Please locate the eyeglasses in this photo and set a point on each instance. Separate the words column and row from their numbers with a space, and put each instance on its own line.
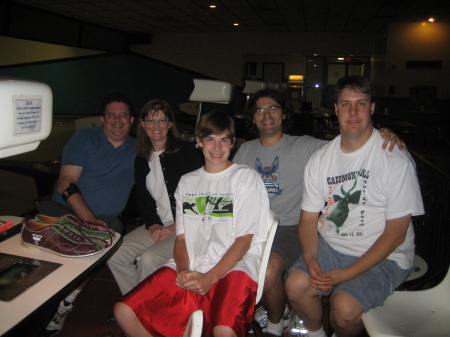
column 152, row 122
column 122, row 115
column 270, row 109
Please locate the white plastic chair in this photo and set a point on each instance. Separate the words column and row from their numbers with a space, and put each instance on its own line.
column 273, row 225
column 423, row 313
column 195, row 325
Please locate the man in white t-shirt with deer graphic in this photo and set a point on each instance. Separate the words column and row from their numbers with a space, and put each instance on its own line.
column 360, row 200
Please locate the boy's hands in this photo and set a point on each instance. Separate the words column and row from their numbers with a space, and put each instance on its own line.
column 201, row 283
column 196, row 282
column 182, row 277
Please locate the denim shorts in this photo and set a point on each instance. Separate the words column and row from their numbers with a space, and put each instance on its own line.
column 370, row 288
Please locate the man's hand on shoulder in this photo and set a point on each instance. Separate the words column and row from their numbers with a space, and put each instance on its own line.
column 391, row 139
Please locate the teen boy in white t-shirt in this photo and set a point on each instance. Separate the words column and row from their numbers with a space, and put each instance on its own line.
column 222, row 223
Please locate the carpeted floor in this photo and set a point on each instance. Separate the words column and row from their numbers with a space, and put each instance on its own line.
column 93, row 307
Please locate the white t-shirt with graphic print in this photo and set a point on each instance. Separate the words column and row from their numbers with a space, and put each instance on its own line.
column 213, row 209
column 360, row 191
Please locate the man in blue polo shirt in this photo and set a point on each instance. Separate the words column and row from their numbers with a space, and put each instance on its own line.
column 96, row 177
column 97, row 168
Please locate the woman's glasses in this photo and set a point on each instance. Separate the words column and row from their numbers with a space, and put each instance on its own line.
column 153, row 122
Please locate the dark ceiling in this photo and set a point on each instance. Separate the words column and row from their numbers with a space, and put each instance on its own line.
column 195, row 16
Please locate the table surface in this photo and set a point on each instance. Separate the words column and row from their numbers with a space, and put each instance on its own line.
column 23, row 305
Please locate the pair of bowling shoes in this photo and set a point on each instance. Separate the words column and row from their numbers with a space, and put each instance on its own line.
column 67, row 236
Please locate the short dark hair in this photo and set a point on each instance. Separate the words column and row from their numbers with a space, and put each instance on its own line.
column 144, row 144
column 119, row 98
column 251, row 109
column 214, row 123
column 353, row 82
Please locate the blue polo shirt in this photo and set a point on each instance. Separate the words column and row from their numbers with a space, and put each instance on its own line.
column 108, row 172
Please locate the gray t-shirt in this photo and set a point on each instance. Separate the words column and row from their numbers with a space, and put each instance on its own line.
column 281, row 166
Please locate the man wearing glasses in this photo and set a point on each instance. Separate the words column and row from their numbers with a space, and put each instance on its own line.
column 96, row 174
column 280, row 160
column 96, row 177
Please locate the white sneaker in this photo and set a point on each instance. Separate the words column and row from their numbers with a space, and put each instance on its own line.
column 57, row 320
column 261, row 318
column 286, row 316
column 296, row 327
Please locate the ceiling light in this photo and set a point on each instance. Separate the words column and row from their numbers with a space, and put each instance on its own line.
column 340, row 59
column 212, row 6
column 235, row 24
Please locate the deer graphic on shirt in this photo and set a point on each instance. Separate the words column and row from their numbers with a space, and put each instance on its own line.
column 340, row 213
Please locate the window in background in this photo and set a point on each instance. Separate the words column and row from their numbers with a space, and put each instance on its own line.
column 338, row 67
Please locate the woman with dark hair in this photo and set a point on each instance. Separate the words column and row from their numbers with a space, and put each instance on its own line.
column 162, row 158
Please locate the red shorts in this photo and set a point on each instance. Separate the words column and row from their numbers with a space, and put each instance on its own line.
column 163, row 308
